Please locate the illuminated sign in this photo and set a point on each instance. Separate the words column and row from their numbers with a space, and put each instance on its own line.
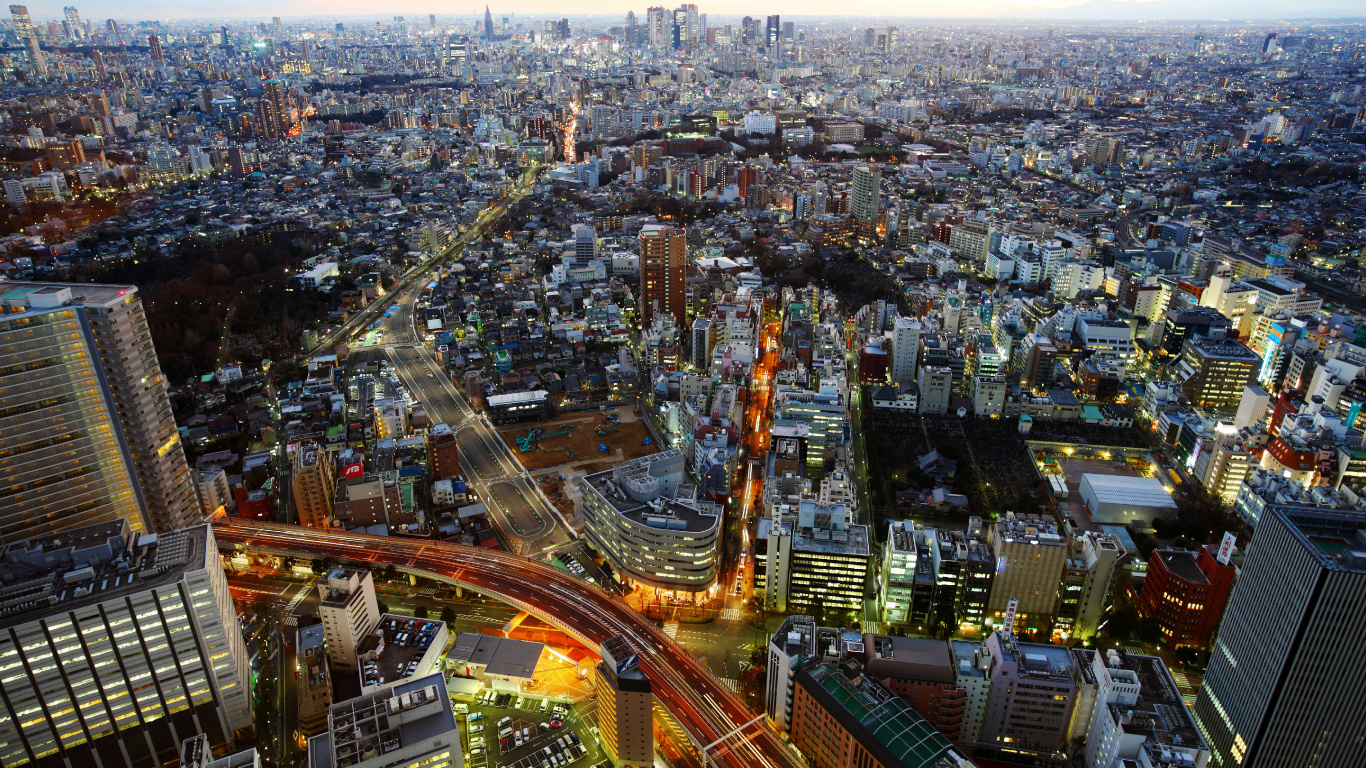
column 1009, row 625
column 1226, row 548
column 353, row 470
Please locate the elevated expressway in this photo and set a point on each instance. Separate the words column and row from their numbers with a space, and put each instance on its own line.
column 706, row 710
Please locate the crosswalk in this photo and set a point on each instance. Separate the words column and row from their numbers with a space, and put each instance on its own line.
column 730, row 684
column 671, row 629
column 730, row 614
column 1183, row 683
column 291, row 620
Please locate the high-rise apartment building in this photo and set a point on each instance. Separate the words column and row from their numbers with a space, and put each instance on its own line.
column 117, row 646
column 314, row 485
column 119, row 342
column 63, row 455
column 73, row 21
column 349, row 610
column 663, row 273
column 1283, row 687
column 625, row 705
column 864, row 196
column 905, row 351
column 158, row 56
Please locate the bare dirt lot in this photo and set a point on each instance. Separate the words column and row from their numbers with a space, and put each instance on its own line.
column 581, row 444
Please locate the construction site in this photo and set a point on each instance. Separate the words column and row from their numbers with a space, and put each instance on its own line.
column 610, row 436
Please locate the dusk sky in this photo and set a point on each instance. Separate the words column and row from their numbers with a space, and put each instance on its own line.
column 1050, row 9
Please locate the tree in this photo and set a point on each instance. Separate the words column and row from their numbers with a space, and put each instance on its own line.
column 421, row 612
column 448, row 615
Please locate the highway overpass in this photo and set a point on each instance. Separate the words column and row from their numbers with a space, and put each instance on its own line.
column 682, row 685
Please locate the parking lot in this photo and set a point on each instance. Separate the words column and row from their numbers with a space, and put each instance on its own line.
column 506, row 730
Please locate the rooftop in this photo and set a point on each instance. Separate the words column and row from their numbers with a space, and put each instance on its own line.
column 1160, row 714
column 500, row 656
column 878, row 719
column 370, row 726
column 394, row 643
column 92, row 564
column 1182, row 564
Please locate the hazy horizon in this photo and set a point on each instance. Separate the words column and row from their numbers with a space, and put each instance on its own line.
column 976, row 10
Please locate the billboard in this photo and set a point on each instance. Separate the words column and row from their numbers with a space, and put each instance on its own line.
column 1226, row 548
column 355, row 469
column 1009, row 625
column 628, row 663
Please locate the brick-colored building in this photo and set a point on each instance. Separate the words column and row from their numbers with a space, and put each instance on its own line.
column 1187, row 593
column 841, row 716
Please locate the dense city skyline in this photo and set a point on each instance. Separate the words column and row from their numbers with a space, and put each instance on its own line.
column 682, row 386
column 810, row 10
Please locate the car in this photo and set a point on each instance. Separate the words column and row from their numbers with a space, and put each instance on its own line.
column 545, row 726
column 526, row 733
column 544, row 705
column 555, row 722
column 562, row 742
column 517, row 737
column 431, row 375
column 583, row 751
column 737, row 589
column 504, row 721
column 574, row 737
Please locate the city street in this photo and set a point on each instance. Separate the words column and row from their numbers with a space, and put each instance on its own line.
column 704, row 706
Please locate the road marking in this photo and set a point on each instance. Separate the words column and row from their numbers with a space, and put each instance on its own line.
column 730, row 614
column 671, row 629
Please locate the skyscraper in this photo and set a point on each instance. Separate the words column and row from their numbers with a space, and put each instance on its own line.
column 35, row 55
column 774, row 31
column 488, row 23
column 23, row 23
column 273, row 107
column 73, row 18
column 158, row 56
column 663, row 273
column 63, row 457
column 134, row 381
column 863, row 200
column 1283, row 686
column 129, row 645
column 658, row 24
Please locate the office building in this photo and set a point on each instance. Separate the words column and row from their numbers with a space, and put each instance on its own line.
column 663, row 273
column 1030, row 555
column 818, row 560
column 936, row 385
column 921, row 672
column 443, row 452
column 62, row 454
column 407, row 725
column 119, row 343
column 349, row 610
column 315, row 682
column 651, row 526
column 703, row 339
column 899, row 571
column 1137, row 715
column 314, row 485
column 1214, row 372
column 625, row 705
column 1033, row 691
column 842, row 716
column 1084, row 592
column 196, row 752
column 864, row 193
column 797, row 641
column 1283, row 687
column 1186, row 592
column 118, row 646
column 773, row 32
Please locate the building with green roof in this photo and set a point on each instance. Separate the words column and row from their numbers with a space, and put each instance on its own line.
column 840, row 716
